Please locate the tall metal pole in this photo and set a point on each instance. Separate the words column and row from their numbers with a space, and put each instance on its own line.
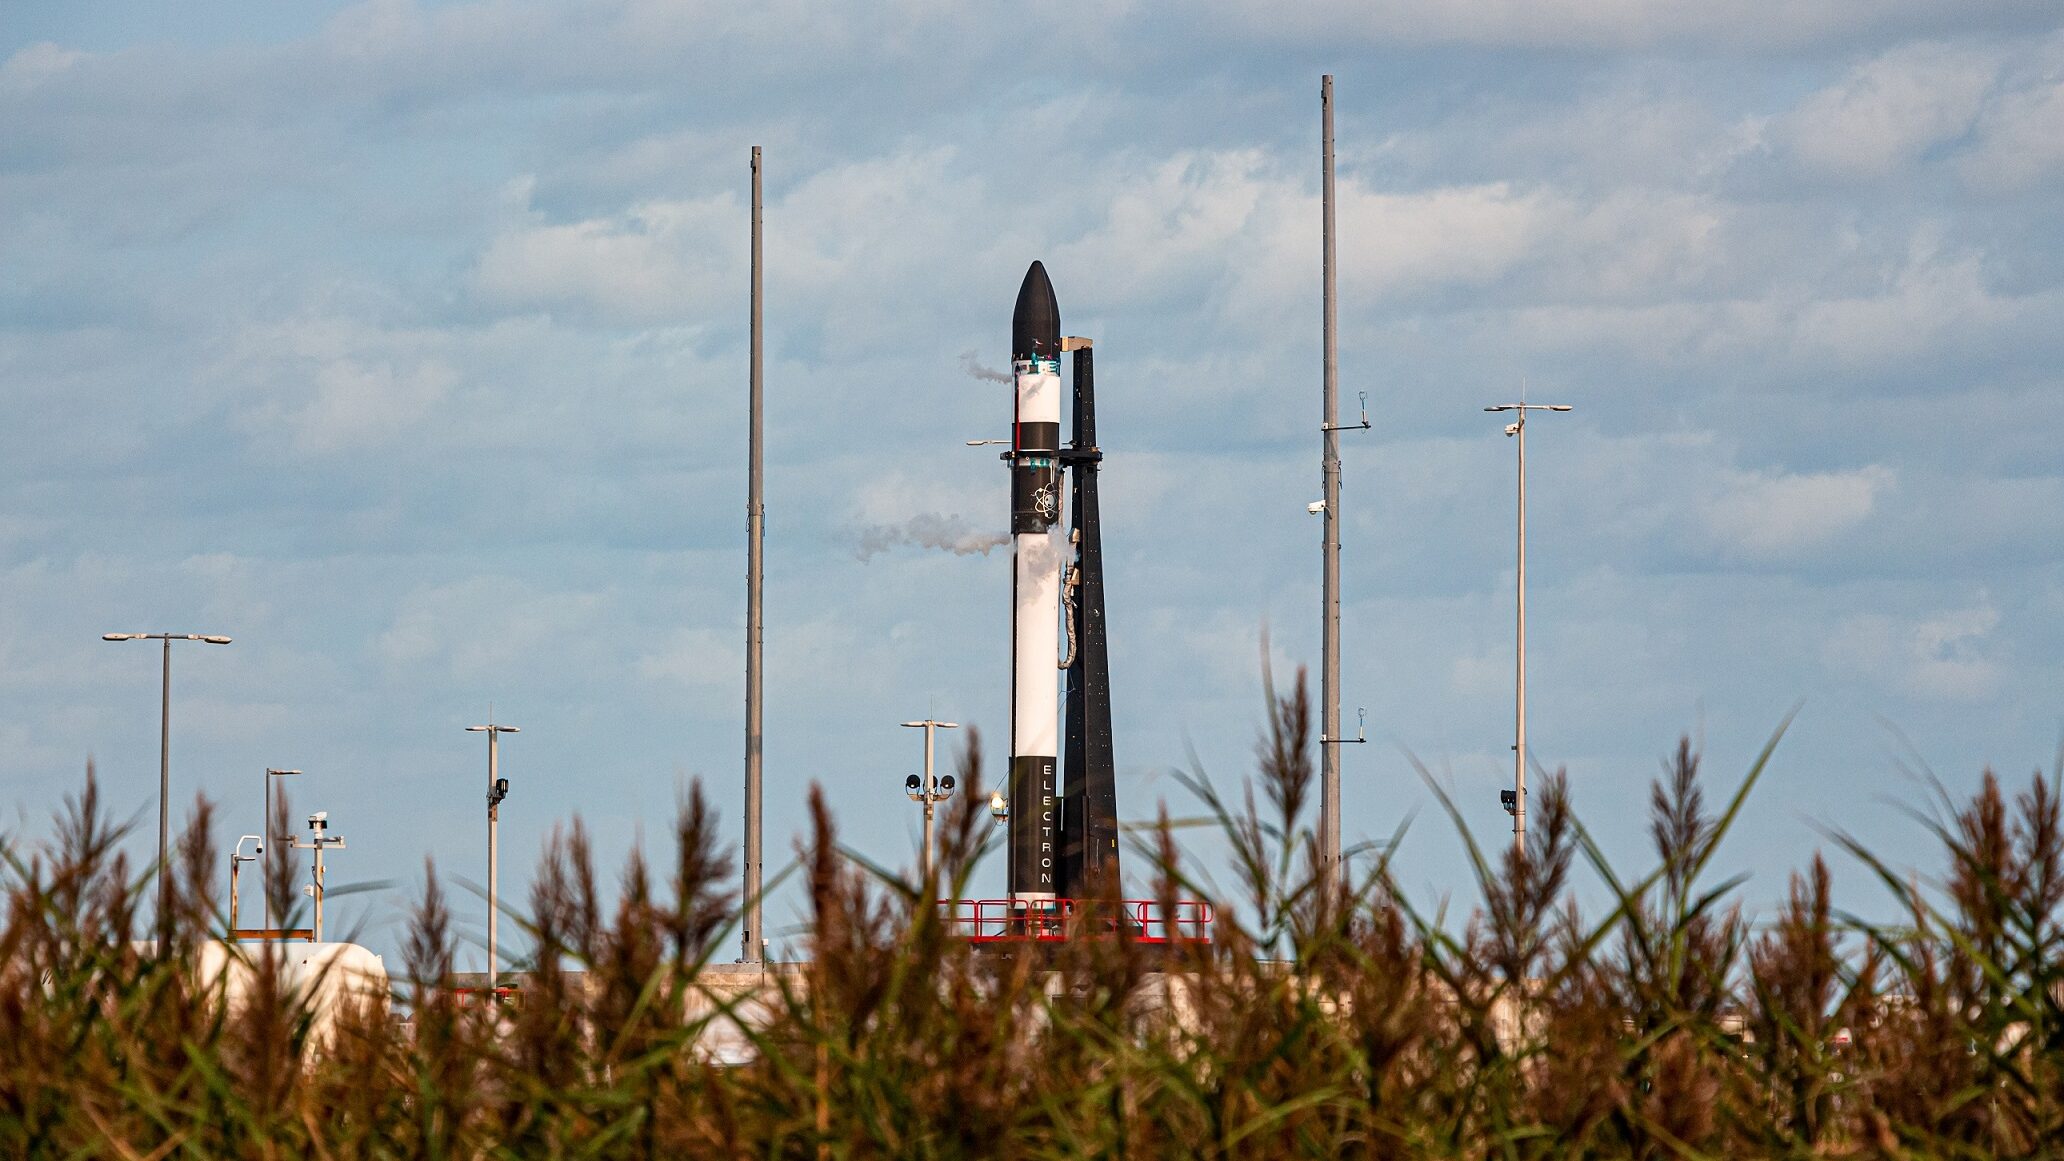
column 164, row 802
column 1519, row 694
column 928, row 791
column 494, row 850
column 1517, row 429
column 755, row 577
column 925, row 864
column 495, row 793
column 318, row 891
column 265, row 849
column 266, row 844
column 165, row 769
column 1329, row 665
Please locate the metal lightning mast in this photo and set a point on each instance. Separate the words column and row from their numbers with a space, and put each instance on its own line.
column 755, row 580
column 1328, row 507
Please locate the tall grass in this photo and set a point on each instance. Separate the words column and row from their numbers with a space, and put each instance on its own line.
column 1664, row 1024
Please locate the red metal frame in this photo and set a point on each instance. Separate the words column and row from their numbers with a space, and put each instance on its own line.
column 1056, row 920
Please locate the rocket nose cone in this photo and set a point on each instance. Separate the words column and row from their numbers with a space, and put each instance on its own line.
column 1036, row 323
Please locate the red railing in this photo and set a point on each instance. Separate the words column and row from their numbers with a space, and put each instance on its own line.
column 1055, row 920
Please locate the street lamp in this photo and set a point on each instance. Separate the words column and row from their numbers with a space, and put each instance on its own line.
column 266, row 827
column 929, row 790
column 497, row 789
column 164, row 767
column 1515, row 799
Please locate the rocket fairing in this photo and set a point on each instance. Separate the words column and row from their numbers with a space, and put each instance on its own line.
column 1036, row 562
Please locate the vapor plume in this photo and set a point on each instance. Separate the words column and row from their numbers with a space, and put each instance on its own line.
column 976, row 370
column 931, row 530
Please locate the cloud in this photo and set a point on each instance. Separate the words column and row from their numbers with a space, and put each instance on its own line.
column 1888, row 111
column 1618, row 24
column 331, row 385
column 35, row 64
column 697, row 658
column 1774, row 514
column 494, row 628
column 654, row 261
column 2020, row 137
column 1942, row 656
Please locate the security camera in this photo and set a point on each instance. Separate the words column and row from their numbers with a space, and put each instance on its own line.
column 1315, row 507
column 1511, row 429
column 946, row 783
column 912, row 783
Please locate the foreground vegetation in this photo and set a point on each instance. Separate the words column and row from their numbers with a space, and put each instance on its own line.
column 1316, row 1024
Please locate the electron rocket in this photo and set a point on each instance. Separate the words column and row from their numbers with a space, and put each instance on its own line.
column 1063, row 837
column 1036, row 560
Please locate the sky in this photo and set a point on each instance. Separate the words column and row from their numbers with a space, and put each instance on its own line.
column 406, row 343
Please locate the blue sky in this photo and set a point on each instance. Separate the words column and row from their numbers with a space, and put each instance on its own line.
column 405, row 343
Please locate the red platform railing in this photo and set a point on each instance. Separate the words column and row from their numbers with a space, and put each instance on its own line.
column 1057, row 920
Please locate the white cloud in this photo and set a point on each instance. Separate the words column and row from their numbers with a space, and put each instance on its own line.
column 2020, row 138
column 331, row 385
column 494, row 629
column 699, row 659
column 1927, row 303
column 657, row 260
column 1943, row 656
column 1616, row 23
column 35, row 64
column 1888, row 111
column 1230, row 231
column 1772, row 513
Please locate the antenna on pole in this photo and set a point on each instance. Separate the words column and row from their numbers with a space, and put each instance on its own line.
column 755, row 576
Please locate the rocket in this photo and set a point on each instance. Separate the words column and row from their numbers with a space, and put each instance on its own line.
column 1036, row 561
column 1063, row 838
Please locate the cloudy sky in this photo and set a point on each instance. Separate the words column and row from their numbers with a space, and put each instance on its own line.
column 406, row 343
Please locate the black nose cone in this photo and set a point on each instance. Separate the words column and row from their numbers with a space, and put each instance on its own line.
column 1036, row 323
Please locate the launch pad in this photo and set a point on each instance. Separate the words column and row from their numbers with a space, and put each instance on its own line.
column 1008, row 921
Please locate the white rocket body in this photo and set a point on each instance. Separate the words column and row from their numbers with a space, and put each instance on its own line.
column 1037, row 558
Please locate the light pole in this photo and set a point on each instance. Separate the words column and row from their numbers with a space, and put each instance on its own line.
column 497, row 789
column 1516, row 797
column 930, row 790
column 164, row 767
column 266, row 828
